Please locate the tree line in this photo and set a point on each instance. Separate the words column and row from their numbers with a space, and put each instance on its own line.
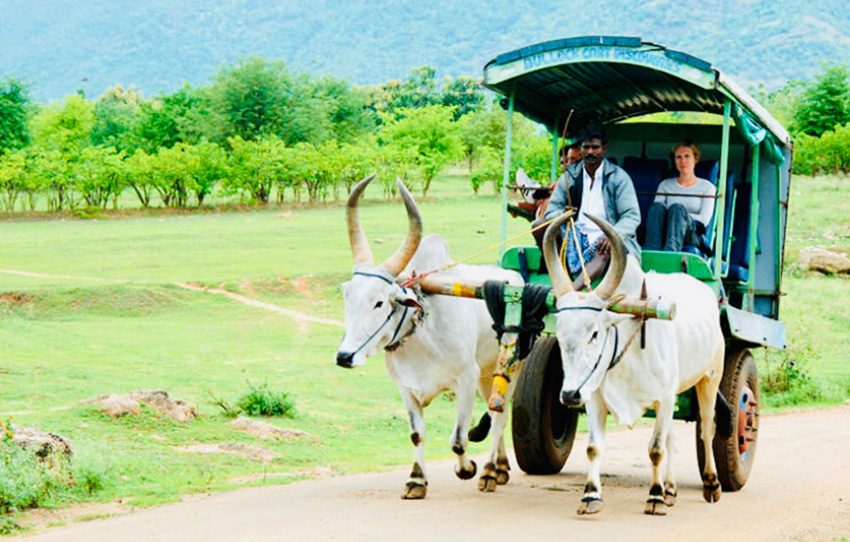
column 266, row 134
column 817, row 114
column 258, row 131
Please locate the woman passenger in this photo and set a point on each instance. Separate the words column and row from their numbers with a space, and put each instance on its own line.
column 682, row 207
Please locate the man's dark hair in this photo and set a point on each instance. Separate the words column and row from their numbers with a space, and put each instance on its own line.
column 591, row 131
column 567, row 148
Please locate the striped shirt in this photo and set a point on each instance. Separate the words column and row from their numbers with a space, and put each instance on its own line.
column 700, row 208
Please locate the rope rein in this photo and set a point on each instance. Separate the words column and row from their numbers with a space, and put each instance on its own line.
column 395, row 341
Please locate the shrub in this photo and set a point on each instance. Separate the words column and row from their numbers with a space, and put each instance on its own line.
column 24, row 481
column 261, row 401
column 90, row 479
column 789, row 382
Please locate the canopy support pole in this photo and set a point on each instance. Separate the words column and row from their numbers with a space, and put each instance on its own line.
column 720, row 203
column 506, row 175
column 553, row 174
column 754, row 224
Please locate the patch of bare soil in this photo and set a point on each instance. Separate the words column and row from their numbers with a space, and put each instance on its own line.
column 316, row 473
column 248, row 451
column 265, row 431
column 248, row 288
column 40, row 518
column 16, row 298
column 303, row 285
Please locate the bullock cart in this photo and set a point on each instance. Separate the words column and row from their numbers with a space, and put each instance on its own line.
column 649, row 98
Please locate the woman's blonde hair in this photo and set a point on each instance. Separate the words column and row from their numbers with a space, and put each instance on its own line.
column 690, row 145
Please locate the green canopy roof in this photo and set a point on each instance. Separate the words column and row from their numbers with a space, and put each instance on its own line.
column 607, row 79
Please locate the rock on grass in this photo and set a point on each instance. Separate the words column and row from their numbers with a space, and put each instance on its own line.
column 825, row 261
column 265, row 431
column 117, row 406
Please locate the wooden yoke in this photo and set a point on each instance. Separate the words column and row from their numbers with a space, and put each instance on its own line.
column 508, row 365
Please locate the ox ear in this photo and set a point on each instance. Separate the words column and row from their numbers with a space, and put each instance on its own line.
column 407, row 299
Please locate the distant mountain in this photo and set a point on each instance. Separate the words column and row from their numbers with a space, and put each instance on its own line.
column 59, row 46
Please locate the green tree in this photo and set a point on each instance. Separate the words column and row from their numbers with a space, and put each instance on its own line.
column 143, row 176
column 115, row 116
column 14, row 113
column 182, row 116
column 254, row 167
column 207, row 165
column 485, row 129
column 342, row 109
column 172, row 178
column 429, row 132
column 824, row 104
column 418, row 90
column 48, row 174
column 462, row 93
column 98, row 175
column 357, row 161
column 12, row 178
column 65, row 126
column 783, row 102
column 255, row 99
column 394, row 160
column 252, row 97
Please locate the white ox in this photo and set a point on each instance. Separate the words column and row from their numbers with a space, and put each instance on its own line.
column 432, row 342
column 607, row 372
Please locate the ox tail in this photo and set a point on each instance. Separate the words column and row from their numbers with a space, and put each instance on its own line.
column 723, row 417
column 479, row 432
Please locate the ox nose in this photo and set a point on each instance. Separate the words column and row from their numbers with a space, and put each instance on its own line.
column 345, row 359
column 571, row 398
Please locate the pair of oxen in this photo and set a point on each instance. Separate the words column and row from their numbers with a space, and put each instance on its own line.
column 435, row 343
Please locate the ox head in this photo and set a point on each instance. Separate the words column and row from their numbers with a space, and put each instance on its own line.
column 377, row 309
column 584, row 322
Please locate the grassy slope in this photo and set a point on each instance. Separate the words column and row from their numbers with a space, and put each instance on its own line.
column 113, row 322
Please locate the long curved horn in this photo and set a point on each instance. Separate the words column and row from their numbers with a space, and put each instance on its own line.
column 356, row 236
column 561, row 283
column 617, row 267
column 396, row 263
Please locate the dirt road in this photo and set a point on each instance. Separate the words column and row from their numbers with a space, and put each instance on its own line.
column 799, row 490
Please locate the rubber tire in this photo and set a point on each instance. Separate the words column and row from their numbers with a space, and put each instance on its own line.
column 543, row 429
column 732, row 471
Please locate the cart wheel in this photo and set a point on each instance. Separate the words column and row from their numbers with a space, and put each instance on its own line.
column 543, row 429
column 734, row 456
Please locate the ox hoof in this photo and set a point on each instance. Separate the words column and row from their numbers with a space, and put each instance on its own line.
column 670, row 494
column 414, row 490
column 502, row 476
column 710, row 488
column 655, row 506
column 711, row 492
column 487, row 483
column 590, row 506
column 464, row 474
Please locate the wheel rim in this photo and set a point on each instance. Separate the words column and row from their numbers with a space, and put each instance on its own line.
column 747, row 421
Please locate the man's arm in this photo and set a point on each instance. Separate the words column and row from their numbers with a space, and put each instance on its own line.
column 627, row 207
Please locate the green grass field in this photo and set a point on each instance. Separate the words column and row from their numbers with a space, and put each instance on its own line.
column 91, row 307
